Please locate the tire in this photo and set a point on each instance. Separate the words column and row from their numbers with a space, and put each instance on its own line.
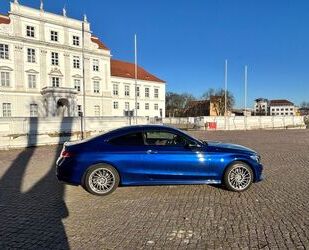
column 101, row 179
column 238, row 177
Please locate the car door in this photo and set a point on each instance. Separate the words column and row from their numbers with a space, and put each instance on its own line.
column 125, row 152
column 173, row 158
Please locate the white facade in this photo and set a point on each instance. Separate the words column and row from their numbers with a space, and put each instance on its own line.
column 41, row 69
column 150, row 97
column 282, row 110
column 261, row 107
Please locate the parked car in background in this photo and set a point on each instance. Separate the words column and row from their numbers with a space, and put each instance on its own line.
column 155, row 155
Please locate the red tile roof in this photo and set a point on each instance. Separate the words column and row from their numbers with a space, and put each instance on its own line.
column 282, row 102
column 127, row 70
column 98, row 42
column 4, row 19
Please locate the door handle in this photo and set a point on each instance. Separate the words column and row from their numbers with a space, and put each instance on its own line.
column 151, row 151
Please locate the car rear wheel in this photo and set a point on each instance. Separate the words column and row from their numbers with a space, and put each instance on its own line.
column 238, row 177
column 101, row 179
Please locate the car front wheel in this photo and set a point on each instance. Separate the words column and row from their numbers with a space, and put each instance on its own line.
column 101, row 179
column 238, row 177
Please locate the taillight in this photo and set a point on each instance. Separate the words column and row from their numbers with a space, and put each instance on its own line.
column 66, row 154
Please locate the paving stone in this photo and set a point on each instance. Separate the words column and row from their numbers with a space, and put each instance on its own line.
column 37, row 212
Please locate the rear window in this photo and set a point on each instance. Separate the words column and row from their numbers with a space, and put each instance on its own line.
column 133, row 139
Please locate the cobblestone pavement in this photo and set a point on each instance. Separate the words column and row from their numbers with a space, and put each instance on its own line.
column 38, row 212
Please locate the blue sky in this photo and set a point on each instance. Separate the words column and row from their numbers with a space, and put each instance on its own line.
column 186, row 42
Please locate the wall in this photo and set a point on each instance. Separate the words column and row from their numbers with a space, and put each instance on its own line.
column 22, row 132
column 238, row 122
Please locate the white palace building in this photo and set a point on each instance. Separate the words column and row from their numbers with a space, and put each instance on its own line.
column 41, row 69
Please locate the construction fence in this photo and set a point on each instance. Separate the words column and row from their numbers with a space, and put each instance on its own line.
column 236, row 122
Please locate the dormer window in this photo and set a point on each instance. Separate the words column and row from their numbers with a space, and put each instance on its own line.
column 76, row 40
column 30, row 31
column 54, row 36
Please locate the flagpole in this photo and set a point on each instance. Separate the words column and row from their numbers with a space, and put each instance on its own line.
column 135, row 68
column 225, row 91
column 246, row 82
column 84, row 83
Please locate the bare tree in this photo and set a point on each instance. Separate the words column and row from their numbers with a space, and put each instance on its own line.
column 304, row 104
column 217, row 97
column 175, row 102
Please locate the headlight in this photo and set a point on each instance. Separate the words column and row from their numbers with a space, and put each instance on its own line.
column 257, row 158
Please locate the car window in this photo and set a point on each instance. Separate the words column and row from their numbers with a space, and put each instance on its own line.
column 132, row 139
column 162, row 138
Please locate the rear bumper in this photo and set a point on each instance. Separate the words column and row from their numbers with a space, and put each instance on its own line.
column 65, row 172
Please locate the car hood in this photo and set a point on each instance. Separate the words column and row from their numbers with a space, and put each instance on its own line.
column 229, row 147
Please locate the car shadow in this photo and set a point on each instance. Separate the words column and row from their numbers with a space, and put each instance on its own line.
column 33, row 219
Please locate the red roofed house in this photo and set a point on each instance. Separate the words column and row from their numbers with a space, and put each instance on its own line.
column 41, row 70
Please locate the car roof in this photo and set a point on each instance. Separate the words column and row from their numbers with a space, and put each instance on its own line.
column 142, row 127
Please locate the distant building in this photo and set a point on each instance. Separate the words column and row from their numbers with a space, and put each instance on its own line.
column 281, row 107
column 203, row 107
column 303, row 111
column 197, row 108
column 261, row 107
column 241, row 112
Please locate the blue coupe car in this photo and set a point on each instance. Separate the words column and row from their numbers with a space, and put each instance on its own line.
column 155, row 155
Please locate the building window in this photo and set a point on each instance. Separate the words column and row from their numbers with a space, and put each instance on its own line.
column 76, row 40
column 116, row 105
column 95, row 65
column 55, row 82
column 6, row 108
column 156, row 93
column 126, row 90
column 4, row 51
column 126, row 105
column 96, row 86
column 115, row 89
column 137, row 105
column 291, row 113
column 33, row 110
column 76, row 62
column 31, row 55
column 77, row 84
column 54, row 36
column 291, row 109
column 55, row 58
column 137, row 91
column 277, row 109
column 147, row 106
column 79, row 109
column 30, row 31
column 31, row 81
column 156, row 106
column 5, row 79
column 146, row 92
column 97, row 110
